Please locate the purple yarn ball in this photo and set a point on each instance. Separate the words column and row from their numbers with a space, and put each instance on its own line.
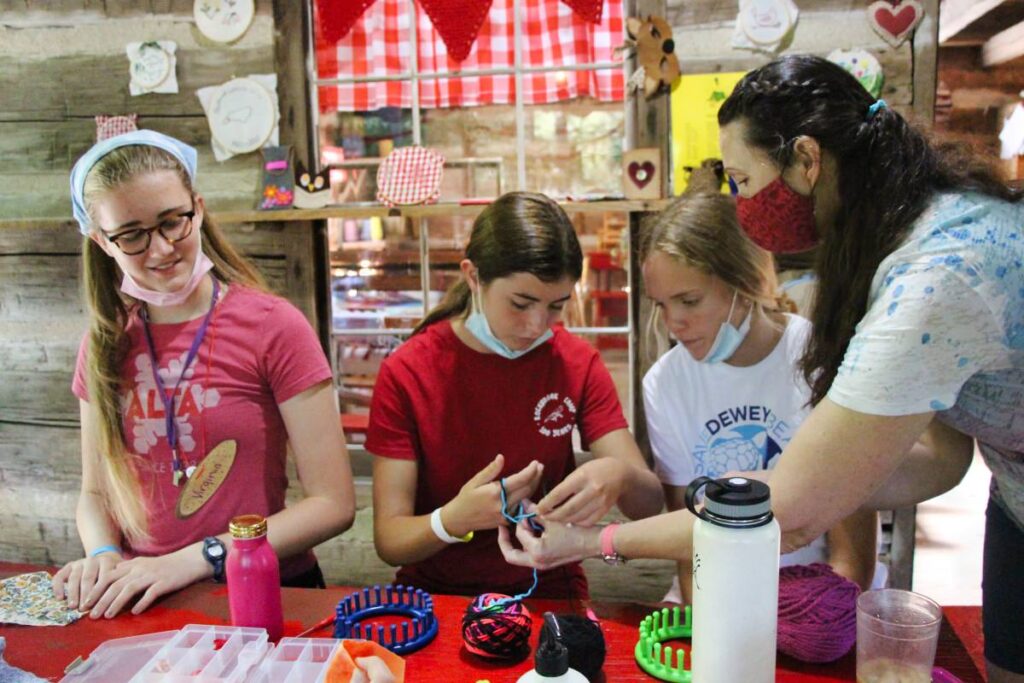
column 817, row 613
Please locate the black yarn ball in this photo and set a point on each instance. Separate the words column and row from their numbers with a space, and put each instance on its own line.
column 584, row 640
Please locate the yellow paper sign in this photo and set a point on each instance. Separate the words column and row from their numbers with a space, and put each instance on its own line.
column 695, row 102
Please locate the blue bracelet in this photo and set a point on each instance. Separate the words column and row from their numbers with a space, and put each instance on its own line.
column 105, row 549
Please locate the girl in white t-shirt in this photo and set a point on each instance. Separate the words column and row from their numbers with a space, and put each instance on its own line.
column 729, row 395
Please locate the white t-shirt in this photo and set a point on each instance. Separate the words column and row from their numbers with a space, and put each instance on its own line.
column 706, row 419
column 944, row 332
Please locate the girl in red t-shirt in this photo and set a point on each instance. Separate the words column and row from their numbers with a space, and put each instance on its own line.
column 487, row 392
column 193, row 380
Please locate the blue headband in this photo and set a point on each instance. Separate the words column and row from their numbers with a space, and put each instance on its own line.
column 185, row 155
column 873, row 109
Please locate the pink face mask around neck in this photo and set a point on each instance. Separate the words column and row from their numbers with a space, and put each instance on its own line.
column 200, row 268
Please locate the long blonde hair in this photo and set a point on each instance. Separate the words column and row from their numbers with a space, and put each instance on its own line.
column 109, row 311
column 701, row 231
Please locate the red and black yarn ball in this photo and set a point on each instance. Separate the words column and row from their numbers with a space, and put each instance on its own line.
column 501, row 632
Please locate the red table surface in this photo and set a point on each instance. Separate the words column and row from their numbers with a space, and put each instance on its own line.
column 47, row 650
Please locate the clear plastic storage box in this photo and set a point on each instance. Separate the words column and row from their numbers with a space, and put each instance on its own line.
column 206, row 654
column 297, row 660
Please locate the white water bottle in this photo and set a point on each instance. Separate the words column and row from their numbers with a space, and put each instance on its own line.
column 735, row 581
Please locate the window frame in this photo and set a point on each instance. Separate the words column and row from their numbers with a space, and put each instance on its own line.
column 414, row 75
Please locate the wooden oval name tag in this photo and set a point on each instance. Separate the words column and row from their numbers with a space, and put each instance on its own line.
column 207, row 478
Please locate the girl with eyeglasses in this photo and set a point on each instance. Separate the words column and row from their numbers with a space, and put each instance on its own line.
column 193, row 382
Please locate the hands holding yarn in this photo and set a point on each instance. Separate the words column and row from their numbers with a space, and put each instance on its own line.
column 559, row 544
column 478, row 505
column 587, row 494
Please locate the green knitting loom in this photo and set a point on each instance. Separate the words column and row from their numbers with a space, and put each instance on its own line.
column 655, row 629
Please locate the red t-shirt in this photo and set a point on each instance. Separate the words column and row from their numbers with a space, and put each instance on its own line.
column 258, row 352
column 452, row 409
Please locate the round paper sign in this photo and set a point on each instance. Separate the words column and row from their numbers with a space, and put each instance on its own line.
column 223, row 21
column 765, row 22
column 242, row 115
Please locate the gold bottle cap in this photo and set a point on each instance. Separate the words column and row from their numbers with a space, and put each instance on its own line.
column 248, row 526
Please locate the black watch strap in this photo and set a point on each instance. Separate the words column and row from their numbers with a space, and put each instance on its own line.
column 215, row 553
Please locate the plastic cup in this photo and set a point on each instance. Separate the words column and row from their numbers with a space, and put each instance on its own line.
column 897, row 633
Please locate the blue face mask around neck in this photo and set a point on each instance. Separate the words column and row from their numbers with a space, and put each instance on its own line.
column 729, row 337
column 478, row 326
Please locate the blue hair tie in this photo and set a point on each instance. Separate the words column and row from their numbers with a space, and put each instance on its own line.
column 873, row 109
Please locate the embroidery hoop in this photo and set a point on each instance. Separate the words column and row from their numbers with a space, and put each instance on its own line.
column 152, row 66
column 242, row 115
column 657, row 628
column 863, row 65
column 404, row 601
column 215, row 21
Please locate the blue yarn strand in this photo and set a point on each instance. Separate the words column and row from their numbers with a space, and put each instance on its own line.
column 519, row 516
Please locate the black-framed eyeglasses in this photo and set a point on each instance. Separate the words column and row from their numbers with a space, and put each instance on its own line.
column 173, row 229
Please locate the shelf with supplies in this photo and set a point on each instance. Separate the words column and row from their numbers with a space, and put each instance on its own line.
column 371, row 210
column 368, row 210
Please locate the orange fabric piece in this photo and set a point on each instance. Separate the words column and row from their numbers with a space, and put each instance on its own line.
column 344, row 664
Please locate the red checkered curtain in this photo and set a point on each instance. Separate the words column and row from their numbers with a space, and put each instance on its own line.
column 378, row 45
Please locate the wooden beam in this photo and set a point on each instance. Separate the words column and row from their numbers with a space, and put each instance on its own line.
column 1004, row 46
column 956, row 15
column 925, row 63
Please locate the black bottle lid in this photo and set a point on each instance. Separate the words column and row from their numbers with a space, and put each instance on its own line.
column 731, row 501
column 552, row 658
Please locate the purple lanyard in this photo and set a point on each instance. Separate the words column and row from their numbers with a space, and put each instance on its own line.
column 168, row 398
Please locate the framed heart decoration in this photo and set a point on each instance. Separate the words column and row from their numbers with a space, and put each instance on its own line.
column 641, row 171
column 895, row 20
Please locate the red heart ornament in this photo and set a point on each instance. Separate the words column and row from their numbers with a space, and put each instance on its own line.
column 895, row 21
column 641, row 173
column 458, row 22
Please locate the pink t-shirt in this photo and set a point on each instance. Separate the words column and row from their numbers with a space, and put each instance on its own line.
column 258, row 352
column 452, row 409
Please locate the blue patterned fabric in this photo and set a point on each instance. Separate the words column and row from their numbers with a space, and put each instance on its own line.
column 944, row 332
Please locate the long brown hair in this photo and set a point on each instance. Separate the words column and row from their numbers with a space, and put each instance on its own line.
column 109, row 311
column 519, row 232
column 888, row 171
column 700, row 230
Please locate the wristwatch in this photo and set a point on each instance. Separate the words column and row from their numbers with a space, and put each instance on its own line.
column 608, row 553
column 215, row 552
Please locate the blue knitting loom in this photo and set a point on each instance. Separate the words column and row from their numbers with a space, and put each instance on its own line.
column 404, row 601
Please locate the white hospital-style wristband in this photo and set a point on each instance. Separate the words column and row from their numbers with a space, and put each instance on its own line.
column 438, row 528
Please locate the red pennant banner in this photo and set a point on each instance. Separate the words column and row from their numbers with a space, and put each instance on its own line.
column 589, row 10
column 335, row 18
column 458, row 22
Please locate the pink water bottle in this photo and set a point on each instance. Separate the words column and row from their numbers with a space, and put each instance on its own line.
column 254, row 578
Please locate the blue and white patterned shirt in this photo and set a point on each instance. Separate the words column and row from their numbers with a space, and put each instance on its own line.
column 944, row 332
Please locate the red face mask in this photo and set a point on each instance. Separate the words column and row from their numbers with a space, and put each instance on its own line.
column 778, row 219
